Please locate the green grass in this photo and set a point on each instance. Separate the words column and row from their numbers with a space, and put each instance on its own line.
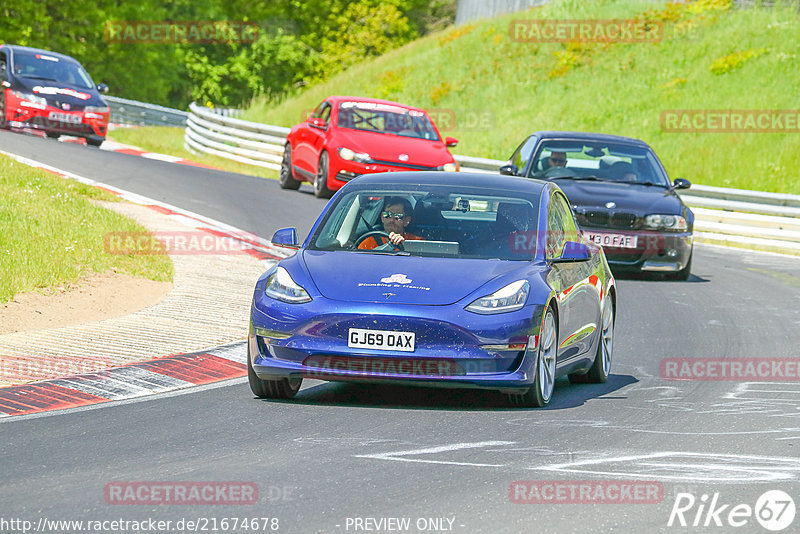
column 167, row 140
column 51, row 233
column 501, row 91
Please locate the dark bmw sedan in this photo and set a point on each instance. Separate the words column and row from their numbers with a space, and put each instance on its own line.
column 621, row 195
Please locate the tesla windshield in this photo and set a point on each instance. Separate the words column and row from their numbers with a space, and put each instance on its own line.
column 445, row 223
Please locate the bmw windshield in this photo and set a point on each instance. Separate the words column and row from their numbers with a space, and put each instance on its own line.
column 608, row 162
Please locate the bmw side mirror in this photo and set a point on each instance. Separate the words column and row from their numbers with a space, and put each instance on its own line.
column 286, row 238
column 450, row 141
column 681, row 183
column 509, row 170
column 573, row 251
column 102, row 88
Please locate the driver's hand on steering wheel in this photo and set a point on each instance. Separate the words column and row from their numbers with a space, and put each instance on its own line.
column 396, row 238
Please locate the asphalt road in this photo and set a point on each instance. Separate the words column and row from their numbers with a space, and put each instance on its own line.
column 443, row 459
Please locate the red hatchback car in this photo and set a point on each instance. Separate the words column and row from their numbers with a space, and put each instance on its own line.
column 347, row 136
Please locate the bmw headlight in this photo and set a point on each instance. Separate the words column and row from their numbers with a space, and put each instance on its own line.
column 672, row 223
column 510, row 298
column 280, row 286
column 351, row 155
column 30, row 97
column 450, row 167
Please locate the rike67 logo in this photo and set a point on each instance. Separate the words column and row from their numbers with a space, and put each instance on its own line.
column 774, row 510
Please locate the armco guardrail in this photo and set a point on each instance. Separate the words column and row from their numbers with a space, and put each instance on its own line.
column 244, row 141
column 133, row 113
column 754, row 219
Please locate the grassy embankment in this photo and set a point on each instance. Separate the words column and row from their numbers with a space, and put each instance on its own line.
column 51, row 233
column 499, row 90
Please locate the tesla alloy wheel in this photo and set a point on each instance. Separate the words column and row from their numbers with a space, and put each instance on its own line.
column 541, row 391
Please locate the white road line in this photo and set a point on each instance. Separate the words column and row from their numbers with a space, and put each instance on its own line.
column 695, row 467
column 398, row 456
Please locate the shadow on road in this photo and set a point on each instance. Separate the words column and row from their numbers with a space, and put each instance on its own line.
column 342, row 394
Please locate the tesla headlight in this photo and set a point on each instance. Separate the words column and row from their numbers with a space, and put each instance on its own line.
column 280, row 286
column 450, row 167
column 30, row 97
column 672, row 223
column 351, row 155
column 510, row 298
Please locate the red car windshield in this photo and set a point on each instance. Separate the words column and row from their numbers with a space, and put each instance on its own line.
column 50, row 68
column 386, row 119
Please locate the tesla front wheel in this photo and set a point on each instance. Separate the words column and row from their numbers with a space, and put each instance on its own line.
column 282, row 388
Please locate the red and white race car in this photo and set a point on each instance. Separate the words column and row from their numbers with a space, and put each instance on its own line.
column 52, row 93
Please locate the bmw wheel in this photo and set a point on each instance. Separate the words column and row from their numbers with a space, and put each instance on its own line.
column 321, row 179
column 541, row 391
column 286, row 177
column 683, row 274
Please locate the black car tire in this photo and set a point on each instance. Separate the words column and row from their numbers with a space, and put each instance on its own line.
column 283, row 388
column 601, row 367
column 321, row 179
column 286, row 176
column 53, row 135
column 684, row 273
column 93, row 141
column 541, row 391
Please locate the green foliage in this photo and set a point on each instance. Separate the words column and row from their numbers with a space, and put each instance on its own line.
column 300, row 42
column 495, row 90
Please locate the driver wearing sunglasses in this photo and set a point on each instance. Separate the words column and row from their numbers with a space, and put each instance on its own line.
column 395, row 216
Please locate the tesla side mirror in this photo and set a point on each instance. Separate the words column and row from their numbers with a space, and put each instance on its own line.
column 316, row 122
column 509, row 170
column 286, row 238
column 681, row 183
column 450, row 141
column 573, row 251
column 102, row 88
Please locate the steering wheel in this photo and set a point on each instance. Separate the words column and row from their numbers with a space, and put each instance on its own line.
column 376, row 233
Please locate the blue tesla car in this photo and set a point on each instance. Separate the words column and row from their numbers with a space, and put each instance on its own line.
column 436, row 279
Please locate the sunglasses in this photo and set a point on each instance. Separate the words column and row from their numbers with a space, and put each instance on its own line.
column 558, row 160
column 389, row 215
